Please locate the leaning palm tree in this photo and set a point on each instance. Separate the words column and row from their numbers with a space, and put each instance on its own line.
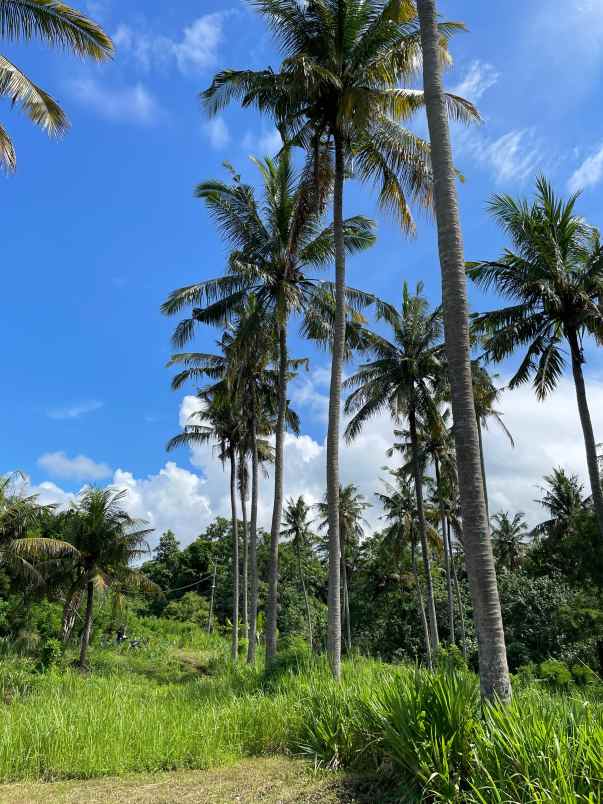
column 554, row 277
column 405, row 379
column 296, row 527
column 352, row 523
column 494, row 671
column 340, row 90
column 275, row 244
column 107, row 540
column 60, row 26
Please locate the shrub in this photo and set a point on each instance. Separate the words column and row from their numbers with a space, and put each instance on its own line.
column 555, row 673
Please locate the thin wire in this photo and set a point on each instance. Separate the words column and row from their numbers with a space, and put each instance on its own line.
column 188, row 586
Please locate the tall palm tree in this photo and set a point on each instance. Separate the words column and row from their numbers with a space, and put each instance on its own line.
column 60, row 26
column 340, row 90
column 275, row 247
column 405, row 378
column 296, row 527
column 554, row 277
column 563, row 499
column 494, row 671
column 352, row 523
column 107, row 540
column 507, row 537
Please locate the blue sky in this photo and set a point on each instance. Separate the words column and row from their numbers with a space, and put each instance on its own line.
column 99, row 227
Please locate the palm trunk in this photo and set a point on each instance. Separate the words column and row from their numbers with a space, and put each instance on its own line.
column 459, row 597
column 70, row 610
column 346, row 603
column 482, row 464
column 234, row 651
column 210, row 619
column 245, row 595
column 277, row 511
column 334, row 593
column 87, row 625
column 418, row 476
column 306, row 601
column 421, row 606
column 494, row 671
column 587, row 428
column 253, row 538
column 443, row 519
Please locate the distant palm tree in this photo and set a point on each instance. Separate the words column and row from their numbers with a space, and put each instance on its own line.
column 507, row 536
column 342, row 89
column 296, row 527
column 554, row 276
column 563, row 499
column 352, row 523
column 106, row 540
column 405, row 378
column 275, row 244
column 56, row 24
column 479, row 560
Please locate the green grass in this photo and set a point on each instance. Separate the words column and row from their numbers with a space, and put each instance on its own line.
column 179, row 704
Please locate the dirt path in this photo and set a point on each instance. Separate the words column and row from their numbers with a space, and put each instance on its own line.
column 269, row 781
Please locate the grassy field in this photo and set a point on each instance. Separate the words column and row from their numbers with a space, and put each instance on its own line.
column 179, row 705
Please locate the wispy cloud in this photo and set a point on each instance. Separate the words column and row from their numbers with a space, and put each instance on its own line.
column 513, row 157
column 479, row 78
column 267, row 143
column 129, row 104
column 195, row 51
column 76, row 410
column 217, row 133
column 80, row 467
column 589, row 173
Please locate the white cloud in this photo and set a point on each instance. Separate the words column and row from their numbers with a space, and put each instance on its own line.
column 75, row 411
column 217, row 133
column 588, row 174
column 267, row 143
column 513, row 157
column 478, row 79
column 195, row 51
column 58, row 464
column 130, row 104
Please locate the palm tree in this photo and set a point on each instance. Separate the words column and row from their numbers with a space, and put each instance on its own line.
column 296, row 527
column 60, row 26
column 563, row 499
column 352, row 505
column 275, row 246
column 399, row 503
column 340, row 90
column 405, row 378
column 107, row 539
column 507, row 538
column 554, row 276
column 494, row 671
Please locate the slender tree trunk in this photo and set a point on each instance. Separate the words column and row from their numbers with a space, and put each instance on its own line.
column 346, row 602
column 87, row 625
column 253, row 538
column 334, row 593
column 245, row 596
column 482, row 464
column 70, row 610
column 418, row 476
column 421, row 606
column 587, row 428
column 494, row 672
column 459, row 597
column 447, row 558
column 234, row 650
column 277, row 511
column 306, row 601
column 210, row 619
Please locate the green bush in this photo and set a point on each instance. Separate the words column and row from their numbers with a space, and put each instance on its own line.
column 555, row 673
column 51, row 653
